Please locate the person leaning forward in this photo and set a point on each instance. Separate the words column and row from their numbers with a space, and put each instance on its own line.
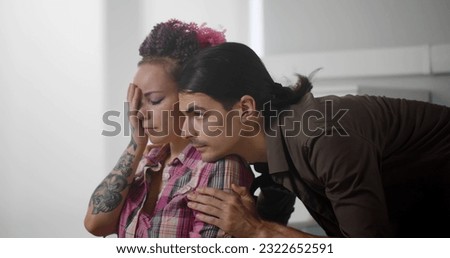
column 364, row 166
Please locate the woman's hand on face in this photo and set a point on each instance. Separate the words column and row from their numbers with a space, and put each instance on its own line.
column 234, row 212
column 134, row 99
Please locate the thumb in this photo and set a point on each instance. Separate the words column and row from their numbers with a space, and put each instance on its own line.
column 240, row 190
column 246, row 198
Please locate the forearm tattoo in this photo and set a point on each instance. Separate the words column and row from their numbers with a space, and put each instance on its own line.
column 124, row 165
column 106, row 196
column 133, row 144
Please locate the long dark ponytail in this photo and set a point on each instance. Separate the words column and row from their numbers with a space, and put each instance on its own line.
column 229, row 71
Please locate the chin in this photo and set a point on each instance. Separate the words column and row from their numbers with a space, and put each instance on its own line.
column 206, row 158
column 211, row 157
column 158, row 139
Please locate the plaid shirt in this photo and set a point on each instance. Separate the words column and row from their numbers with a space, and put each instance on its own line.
column 172, row 217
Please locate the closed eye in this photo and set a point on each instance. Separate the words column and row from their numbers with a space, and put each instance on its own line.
column 156, row 102
column 197, row 114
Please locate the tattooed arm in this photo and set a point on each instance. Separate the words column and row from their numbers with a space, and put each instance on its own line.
column 106, row 202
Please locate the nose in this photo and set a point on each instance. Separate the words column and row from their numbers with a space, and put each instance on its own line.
column 145, row 116
column 144, row 113
column 187, row 130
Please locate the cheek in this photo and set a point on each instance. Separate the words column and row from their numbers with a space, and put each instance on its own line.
column 213, row 125
column 159, row 114
column 155, row 117
column 232, row 128
column 218, row 143
column 219, row 148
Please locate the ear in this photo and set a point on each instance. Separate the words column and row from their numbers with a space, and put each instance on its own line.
column 248, row 107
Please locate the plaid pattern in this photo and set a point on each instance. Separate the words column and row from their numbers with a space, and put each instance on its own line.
column 172, row 217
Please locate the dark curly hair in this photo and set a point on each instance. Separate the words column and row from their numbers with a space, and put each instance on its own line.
column 173, row 42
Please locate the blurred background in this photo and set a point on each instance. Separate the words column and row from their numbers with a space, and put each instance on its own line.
column 63, row 64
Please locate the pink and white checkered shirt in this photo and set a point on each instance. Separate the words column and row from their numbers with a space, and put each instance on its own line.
column 172, row 217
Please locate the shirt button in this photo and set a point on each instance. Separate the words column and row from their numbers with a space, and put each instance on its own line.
column 165, row 176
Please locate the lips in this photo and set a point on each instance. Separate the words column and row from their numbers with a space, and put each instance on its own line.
column 200, row 148
column 198, row 145
column 149, row 130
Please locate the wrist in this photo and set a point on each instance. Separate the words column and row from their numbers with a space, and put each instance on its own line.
column 259, row 230
column 134, row 146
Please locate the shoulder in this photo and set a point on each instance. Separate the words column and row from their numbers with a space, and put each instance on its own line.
column 343, row 156
column 192, row 158
column 230, row 163
column 339, row 145
column 229, row 166
column 229, row 170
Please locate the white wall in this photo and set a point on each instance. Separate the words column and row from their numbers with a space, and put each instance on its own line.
column 330, row 34
column 122, row 40
column 50, row 102
column 323, row 25
column 232, row 15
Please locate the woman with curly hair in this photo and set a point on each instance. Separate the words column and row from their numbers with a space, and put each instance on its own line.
column 145, row 194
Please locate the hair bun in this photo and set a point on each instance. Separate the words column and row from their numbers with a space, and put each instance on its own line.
column 208, row 37
column 179, row 40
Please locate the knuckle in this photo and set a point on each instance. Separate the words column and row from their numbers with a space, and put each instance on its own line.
column 234, row 199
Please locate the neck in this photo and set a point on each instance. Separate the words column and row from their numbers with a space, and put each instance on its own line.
column 253, row 149
column 176, row 147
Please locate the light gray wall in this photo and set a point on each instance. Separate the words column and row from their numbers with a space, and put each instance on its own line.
column 305, row 26
column 324, row 25
column 51, row 98
column 438, row 86
column 231, row 15
column 121, row 55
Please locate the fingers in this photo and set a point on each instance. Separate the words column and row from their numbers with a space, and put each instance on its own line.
column 136, row 100
column 130, row 93
column 134, row 97
column 218, row 194
column 208, row 219
column 205, row 208
column 205, row 200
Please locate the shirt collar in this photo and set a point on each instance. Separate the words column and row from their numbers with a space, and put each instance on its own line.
column 276, row 155
column 185, row 153
column 158, row 155
column 276, row 158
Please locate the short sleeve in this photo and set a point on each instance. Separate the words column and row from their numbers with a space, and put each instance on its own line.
column 220, row 175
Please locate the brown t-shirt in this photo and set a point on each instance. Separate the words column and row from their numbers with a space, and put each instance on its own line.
column 364, row 166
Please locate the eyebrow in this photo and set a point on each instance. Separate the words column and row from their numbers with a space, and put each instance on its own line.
column 148, row 93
